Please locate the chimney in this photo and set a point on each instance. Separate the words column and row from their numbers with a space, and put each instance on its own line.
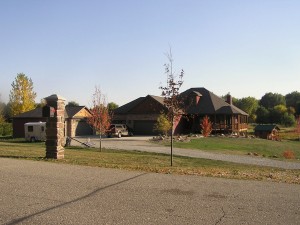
column 229, row 99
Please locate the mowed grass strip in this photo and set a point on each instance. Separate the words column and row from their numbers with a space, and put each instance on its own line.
column 242, row 146
column 149, row 162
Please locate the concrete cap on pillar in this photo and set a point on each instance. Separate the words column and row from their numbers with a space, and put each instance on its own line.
column 55, row 97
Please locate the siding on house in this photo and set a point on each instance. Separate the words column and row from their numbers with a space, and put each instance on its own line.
column 75, row 121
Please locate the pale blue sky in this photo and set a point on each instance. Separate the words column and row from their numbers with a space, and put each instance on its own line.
column 243, row 47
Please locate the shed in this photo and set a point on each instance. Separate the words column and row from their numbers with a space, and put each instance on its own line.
column 267, row 131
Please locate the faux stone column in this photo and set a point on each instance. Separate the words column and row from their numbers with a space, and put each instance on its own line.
column 55, row 127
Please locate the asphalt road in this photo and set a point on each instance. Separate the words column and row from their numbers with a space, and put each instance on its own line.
column 143, row 144
column 34, row 192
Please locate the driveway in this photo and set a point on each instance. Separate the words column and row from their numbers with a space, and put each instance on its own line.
column 141, row 143
column 35, row 192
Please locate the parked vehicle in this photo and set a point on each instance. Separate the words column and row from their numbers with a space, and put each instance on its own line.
column 35, row 131
column 118, row 130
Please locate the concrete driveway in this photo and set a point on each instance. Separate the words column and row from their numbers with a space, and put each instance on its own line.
column 47, row 193
column 141, row 143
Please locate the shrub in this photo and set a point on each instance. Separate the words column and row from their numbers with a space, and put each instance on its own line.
column 206, row 126
column 5, row 129
column 288, row 154
column 163, row 125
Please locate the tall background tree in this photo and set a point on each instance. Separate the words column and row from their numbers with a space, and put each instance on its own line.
column 72, row 103
column 2, row 106
column 170, row 92
column 248, row 105
column 270, row 100
column 292, row 99
column 5, row 127
column 21, row 97
column 111, row 107
column 100, row 119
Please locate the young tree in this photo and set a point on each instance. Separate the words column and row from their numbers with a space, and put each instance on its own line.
column 163, row 124
column 100, row 119
column 206, row 126
column 170, row 92
column 22, row 97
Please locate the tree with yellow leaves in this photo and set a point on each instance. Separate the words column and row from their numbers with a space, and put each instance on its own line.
column 21, row 97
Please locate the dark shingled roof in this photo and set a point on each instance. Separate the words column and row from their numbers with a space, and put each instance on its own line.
column 37, row 112
column 129, row 106
column 266, row 127
column 209, row 103
column 34, row 113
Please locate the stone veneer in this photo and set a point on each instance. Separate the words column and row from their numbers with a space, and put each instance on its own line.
column 55, row 128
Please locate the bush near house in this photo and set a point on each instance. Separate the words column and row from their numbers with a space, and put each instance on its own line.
column 6, row 129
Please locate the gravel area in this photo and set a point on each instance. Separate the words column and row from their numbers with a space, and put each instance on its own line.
column 143, row 144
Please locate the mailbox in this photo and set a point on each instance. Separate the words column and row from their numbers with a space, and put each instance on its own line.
column 48, row 111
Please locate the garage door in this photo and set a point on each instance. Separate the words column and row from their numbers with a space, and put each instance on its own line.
column 144, row 127
column 83, row 128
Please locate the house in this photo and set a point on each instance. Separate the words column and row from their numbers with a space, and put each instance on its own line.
column 141, row 114
column 75, row 121
column 267, row 131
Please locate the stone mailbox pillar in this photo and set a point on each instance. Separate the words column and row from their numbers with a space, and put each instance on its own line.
column 55, row 126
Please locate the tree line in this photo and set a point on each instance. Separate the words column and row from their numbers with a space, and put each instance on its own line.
column 272, row 108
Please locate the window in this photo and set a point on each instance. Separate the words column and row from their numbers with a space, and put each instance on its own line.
column 30, row 128
column 43, row 129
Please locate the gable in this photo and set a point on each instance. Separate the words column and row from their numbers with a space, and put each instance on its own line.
column 149, row 105
column 82, row 113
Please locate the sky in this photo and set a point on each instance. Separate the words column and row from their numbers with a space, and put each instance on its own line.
column 69, row 47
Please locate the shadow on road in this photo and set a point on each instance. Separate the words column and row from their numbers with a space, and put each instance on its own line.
column 19, row 220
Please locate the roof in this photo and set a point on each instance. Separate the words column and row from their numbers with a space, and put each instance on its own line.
column 210, row 103
column 266, row 127
column 70, row 112
column 34, row 113
column 129, row 106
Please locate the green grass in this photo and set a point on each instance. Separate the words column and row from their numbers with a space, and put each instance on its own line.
column 242, row 146
column 148, row 162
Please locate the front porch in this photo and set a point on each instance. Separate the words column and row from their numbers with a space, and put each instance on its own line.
column 221, row 124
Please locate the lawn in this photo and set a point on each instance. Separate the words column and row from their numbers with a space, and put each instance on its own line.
column 148, row 162
column 262, row 147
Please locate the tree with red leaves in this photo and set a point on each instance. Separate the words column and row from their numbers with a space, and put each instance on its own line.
column 100, row 119
column 206, row 126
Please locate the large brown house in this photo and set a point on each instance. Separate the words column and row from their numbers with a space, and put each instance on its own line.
column 75, row 121
column 141, row 114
